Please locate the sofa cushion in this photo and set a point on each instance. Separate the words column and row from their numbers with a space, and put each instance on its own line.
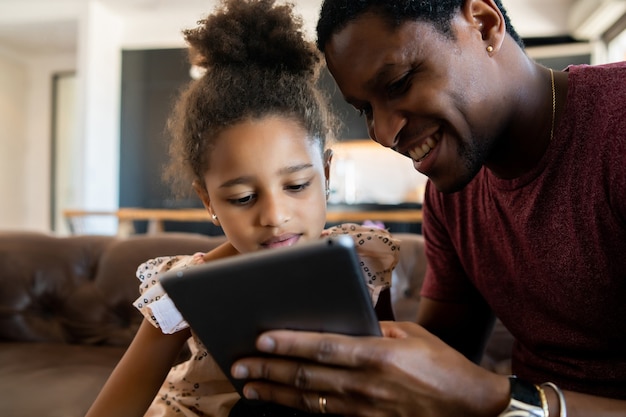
column 38, row 274
column 63, row 302
column 104, row 305
column 78, row 289
column 52, row 379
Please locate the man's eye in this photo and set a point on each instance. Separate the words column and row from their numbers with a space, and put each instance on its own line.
column 399, row 87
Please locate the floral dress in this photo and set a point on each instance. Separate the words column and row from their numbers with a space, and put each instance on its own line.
column 198, row 387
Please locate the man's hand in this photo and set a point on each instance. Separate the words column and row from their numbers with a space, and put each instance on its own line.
column 408, row 372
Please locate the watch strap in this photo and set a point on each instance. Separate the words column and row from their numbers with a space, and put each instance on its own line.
column 527, row 400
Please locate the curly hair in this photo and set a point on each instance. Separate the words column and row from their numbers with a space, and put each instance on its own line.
column 257, row 63
column 336, row 14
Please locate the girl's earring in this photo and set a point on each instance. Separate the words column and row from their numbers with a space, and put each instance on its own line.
column 490, row 49
column 214, row 216
column 327, row 193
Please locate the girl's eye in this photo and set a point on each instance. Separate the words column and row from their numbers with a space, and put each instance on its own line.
column 243, row 200
column 298, row 187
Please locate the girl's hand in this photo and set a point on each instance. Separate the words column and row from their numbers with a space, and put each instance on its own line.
column 222, row 251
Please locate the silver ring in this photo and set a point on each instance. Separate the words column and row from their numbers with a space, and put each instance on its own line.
column 322, row 404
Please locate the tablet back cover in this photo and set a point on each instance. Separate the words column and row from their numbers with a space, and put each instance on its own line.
column 316, row 286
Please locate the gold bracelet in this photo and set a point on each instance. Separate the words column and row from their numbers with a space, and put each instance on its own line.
column 559, row 394
column 544, row 401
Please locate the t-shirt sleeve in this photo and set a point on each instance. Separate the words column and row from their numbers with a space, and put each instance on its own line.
column 153, row 302
column 378, row 252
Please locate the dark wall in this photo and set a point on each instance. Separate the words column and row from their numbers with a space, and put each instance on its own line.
column 151, row 79
column 352, row 125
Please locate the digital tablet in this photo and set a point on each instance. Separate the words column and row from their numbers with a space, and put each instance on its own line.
column 315, row 286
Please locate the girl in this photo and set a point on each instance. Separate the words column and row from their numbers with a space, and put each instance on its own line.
column 250, row 135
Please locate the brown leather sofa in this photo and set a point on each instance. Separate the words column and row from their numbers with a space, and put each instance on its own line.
column 66, row 314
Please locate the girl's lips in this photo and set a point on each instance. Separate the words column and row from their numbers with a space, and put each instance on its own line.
column 280, row 241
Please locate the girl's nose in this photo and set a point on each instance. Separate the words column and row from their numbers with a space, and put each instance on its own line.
column 274, row 211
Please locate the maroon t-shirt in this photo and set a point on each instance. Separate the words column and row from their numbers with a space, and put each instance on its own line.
column 547, row 251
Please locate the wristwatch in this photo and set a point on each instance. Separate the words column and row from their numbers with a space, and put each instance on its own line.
column 527, row 400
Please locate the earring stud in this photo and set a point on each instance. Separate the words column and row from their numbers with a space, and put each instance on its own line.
column 214, row 216
column 490, row 49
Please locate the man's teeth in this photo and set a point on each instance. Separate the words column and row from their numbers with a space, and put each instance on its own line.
column 420, row 152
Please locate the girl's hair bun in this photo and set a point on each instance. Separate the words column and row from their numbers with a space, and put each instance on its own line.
column 253, row 33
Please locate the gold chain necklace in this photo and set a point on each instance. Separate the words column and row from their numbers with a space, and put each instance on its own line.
column 553, row 104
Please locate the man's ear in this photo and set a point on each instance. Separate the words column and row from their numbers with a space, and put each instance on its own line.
column 202, row 193
column 487, row 18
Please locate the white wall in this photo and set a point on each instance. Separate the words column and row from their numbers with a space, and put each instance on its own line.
column 25, row 117
column 36, row 211
column 538, row 18
column 13, row 108
column 99, row 83
column 617, row 48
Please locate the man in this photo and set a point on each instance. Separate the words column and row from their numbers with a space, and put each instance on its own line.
column 524, row 219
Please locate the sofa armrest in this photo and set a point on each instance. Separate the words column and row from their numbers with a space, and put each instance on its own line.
column 408, row 276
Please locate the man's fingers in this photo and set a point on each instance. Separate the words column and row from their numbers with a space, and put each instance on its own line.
column 315, row 401
column 302, row 376
column 325, row 348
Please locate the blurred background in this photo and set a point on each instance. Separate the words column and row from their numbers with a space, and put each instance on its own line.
column 86, row 87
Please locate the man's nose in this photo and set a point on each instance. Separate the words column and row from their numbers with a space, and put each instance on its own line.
column 384, row 126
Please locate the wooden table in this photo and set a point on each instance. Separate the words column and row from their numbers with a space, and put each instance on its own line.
column 385, row 216
column 157, row 217
column 75, row 219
